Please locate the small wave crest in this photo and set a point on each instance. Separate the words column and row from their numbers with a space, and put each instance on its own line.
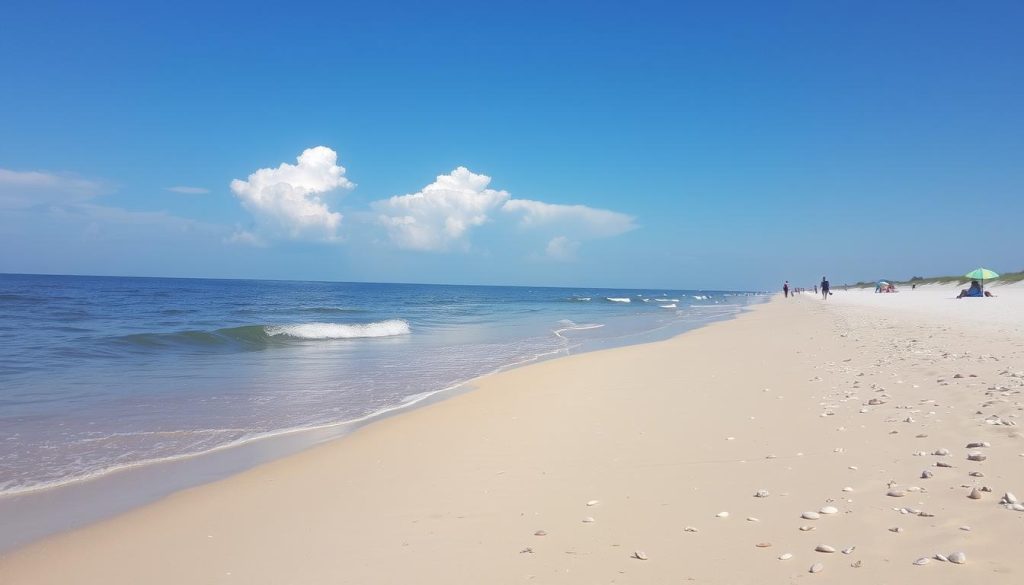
column 668, row 306
column 388, row 328
column 619, row 299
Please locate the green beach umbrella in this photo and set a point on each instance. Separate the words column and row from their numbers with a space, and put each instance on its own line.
column 982, row 274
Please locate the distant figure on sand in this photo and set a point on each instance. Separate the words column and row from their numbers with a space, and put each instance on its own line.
column 975, row 290
column 785, row 289
column 815, row 289
column 824, row 288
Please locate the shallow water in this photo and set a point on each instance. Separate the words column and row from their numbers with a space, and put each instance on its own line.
column 104, row 373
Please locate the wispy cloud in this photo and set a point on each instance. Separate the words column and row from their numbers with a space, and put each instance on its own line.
column 245, row 238
column 23, row 189
column 287, row 199
column 590, row 221
column 188, row 190
column 562, row 249
column 439, row 216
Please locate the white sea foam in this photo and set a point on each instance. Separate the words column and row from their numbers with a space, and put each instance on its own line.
column 667, row 300
column 701, row 297
column 668, row 306
column 619, row 299
column 387, row 328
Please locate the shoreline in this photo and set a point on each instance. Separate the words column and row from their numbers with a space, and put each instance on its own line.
column 41, row 512
column 567, row 470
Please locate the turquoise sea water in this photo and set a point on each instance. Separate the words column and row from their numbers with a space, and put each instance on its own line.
column 104, row 373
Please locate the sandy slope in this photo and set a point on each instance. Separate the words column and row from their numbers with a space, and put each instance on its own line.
column 664, row 436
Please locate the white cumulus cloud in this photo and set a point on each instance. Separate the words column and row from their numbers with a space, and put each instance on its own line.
column 588, row 221
column 441, row 214
column 288, row 199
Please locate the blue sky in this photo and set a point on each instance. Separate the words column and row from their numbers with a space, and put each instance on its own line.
column 639, row 144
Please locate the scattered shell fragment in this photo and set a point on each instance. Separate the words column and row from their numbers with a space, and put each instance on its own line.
column 896, row 529
column 976, row 474
column 940, row 557
column 761, row 494
column 824, row 548
column 817, row 568
column 593, row 502
column 958, row 557
column 785, row 556
column 941, row 452
column 689, row 529
column 926, row 474
column 856, row 564
column 752, row 519
column 588, row 520
column 540, row 533
column 849, row 550
column 847, row 489
column 806, row 528
column 722, row 515
column 965, row 528
column 975, row 456
column 641, row 555
column 978, row 444
column 896, row 493
column 943, row 464
column 975, row 494
column 828, row 510
column 810, row 515
column 763, row 544
column 922, row 561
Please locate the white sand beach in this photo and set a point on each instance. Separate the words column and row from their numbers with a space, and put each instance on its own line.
column 802, row 436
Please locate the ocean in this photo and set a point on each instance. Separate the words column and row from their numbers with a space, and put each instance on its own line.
column 99, row 374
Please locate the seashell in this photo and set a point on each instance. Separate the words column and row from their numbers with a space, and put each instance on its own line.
column 761, row 494
column 752, row 519
column 849, row 550
column 975, row 494
column 958, row 557
column 593, row 502
column 641, row 555
column 540, row 533
column 926, row 474
column 922, row 561
column 975, row 456
column 1009, row 498
column 810, row 516
column 926, row 514
column 942, row 558
column 689, row 529
column 806, row 528
column 817, row 568
column 763, row 544
column 978, row 445
column 856, row 564
column 896, row 529
column 588, row 520
column 896, row 493
column 722, row 515
column 829, row 510
column 824, row 548
column 976, row 474
column 941, row 452
column 943, row 464
column 1018, row 507
column 785, row 556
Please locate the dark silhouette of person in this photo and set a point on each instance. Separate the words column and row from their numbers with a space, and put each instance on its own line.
column 824, row 288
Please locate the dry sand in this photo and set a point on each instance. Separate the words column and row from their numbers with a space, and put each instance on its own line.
column 493, row 486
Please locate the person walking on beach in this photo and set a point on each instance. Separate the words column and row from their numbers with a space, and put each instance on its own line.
column 785, row 289
column 824, row 288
